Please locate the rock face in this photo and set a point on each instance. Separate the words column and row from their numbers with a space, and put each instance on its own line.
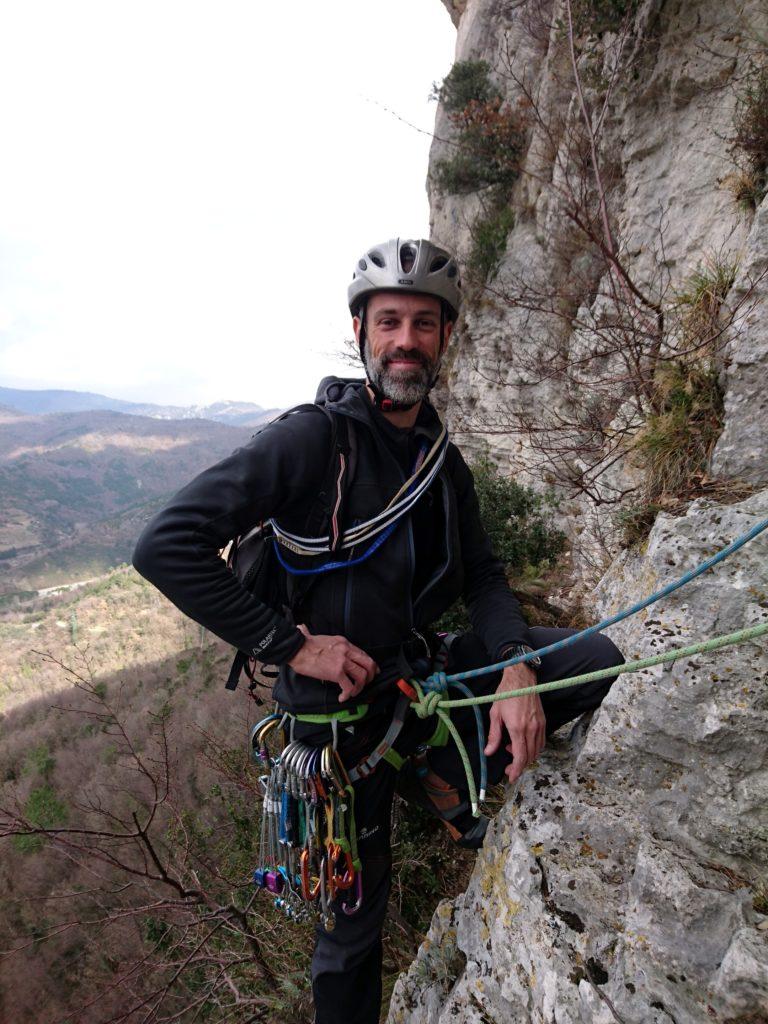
column 626, row 879
column 620, row 882
column 667, row 163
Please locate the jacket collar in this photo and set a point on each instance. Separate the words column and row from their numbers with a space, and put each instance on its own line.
column 348, row 396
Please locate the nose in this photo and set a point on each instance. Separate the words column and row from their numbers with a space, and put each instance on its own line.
column 409, row 336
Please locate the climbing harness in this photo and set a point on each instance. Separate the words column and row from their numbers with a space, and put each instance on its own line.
column 308, row 845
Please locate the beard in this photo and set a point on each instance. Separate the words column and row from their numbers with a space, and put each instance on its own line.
column 406, row 387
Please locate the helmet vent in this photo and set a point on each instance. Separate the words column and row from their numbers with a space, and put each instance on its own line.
column 362, row 264
column 451, row 271
column 377, row 258
column 437, row 264
column 407, row 258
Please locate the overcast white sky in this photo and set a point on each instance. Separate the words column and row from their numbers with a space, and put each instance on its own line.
column 186, row 186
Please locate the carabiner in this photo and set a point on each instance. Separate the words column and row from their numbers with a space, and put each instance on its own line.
column 349, row 910
column 327, row 917
column 308, row 892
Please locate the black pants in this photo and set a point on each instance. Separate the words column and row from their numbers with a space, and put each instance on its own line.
column 346, row 967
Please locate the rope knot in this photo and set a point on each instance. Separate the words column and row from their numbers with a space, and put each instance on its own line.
column 437, row 683
column 428, row 704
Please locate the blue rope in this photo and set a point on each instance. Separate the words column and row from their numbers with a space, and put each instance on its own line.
column 437, row 683
column 618, row 617
column 384, row 535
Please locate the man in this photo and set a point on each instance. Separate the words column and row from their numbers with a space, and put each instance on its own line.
column 350, row 633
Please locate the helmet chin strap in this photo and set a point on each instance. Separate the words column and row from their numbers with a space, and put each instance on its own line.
column 380, row 400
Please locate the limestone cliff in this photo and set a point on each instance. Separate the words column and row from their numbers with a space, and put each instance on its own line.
column 627, row 877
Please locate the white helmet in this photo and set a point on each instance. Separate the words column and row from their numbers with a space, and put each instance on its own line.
column 407, row 265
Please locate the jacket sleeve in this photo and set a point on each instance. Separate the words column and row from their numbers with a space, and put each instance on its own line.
column 494, row 611
column 179, row 549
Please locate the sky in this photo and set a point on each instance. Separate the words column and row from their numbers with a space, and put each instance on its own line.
column 186, row 186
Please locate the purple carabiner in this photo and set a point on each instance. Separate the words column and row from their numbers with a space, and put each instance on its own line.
column 358, row 896
column 274, row 882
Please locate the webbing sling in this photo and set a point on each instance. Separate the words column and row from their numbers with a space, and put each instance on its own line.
column 384, row 747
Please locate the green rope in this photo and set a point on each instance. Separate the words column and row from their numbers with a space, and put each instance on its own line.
column 433, row 703
column 428, row 705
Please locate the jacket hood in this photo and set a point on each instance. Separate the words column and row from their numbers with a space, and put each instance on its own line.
column 331, row 390
column 347, row 395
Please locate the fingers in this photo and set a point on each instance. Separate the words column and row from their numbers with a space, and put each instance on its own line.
column 525, row 746
column 362, row 660
column 541, row 738
column 494, row 733
column 349, row 688
column 520, row 756
column 351, row 680
column 335, row 660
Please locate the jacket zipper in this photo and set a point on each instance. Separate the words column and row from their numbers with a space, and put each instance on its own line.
column 443, row 567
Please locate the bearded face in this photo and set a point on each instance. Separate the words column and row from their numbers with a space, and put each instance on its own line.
column 403, row 345
column 402, row 375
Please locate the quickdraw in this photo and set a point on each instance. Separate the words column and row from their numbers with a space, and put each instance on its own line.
column 308, row 846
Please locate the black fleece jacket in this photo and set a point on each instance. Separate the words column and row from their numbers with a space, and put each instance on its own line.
column 278, row 474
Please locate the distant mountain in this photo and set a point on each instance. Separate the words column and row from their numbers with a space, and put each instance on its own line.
column 75, row 488
column 36, row 403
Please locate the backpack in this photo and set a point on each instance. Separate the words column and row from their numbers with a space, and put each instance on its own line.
column 252, row 558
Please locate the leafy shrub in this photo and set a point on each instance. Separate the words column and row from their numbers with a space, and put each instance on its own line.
column 518, row 526
column 489, row 242
column 751, row 135
column 489, row 135
column 43, row 809
column 677, row 440
column 594, row 17
column 686, row 418
column 514, row 516
column 467, row 82
column 489, row 144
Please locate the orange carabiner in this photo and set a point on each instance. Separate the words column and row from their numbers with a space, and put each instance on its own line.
column 308, row 891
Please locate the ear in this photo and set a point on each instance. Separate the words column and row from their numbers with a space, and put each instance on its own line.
column 447, row 331
column 356, row 328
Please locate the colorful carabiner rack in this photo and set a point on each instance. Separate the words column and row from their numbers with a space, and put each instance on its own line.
column 308, row 847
